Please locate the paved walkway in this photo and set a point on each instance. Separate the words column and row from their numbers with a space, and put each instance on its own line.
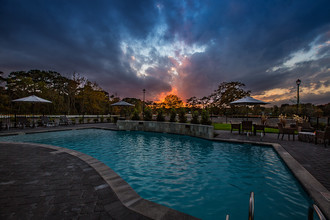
column 36, row 183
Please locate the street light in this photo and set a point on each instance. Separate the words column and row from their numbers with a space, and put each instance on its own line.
column 144, row 93
column 298, row 84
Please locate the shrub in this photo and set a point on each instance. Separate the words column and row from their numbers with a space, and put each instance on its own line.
column 81, row 120
column 96, row 120
column 108, row 119
column 136, row 115
column 205, row 120
column 182, row 115
column 102, row 119
column 173, row 115
column 160, row 116
column 88, row 120
column 147, row 114
column 73, row 121
column 194, row 119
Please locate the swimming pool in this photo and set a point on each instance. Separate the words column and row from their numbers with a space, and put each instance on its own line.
column 203, row 178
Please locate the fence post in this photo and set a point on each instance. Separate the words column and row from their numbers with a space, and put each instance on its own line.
column 15, row 124
column 317, row 123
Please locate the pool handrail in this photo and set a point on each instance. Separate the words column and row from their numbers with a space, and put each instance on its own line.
column 251, row 206
column 319, row 213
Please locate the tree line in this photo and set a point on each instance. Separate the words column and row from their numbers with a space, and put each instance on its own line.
column 78, row 95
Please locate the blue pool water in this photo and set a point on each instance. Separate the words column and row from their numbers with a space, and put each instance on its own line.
column 203, row 178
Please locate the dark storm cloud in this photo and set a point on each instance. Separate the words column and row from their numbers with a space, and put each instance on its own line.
column 76, row 36
column 243, row 41
column 248, row 39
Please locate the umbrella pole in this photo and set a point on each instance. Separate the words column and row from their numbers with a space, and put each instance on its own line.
column 247, row 112
column 33, row 115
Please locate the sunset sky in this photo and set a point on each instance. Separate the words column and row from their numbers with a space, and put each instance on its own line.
column 182, row 47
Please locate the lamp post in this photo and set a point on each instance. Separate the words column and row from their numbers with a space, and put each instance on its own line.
column 144, row 93
column 298, row 84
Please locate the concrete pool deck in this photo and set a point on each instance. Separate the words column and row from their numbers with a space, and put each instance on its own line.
column 28, row 188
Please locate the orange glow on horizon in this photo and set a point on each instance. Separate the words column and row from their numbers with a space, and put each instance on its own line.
column 161, row 97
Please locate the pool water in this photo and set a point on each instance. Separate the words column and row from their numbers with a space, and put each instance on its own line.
column 203, row 178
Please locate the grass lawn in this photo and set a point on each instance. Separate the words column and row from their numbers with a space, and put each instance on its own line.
column 219, row 126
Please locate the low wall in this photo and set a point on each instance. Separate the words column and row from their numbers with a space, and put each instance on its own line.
column 204, row 131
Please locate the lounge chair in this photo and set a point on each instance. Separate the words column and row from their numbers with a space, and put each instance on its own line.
column 247, row 126
column 323, row 135
column 283, row 130
column 235, row 126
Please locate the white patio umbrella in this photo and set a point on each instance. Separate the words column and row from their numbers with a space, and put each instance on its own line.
column 122, row 103
column 32, row 99
column 248, row 101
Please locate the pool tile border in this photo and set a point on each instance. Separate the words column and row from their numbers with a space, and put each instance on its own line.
column 152, row 210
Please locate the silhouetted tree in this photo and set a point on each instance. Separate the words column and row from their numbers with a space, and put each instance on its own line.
column 228, row 92
column 172, row 101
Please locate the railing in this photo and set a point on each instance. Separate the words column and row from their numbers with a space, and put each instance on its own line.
column 310, row 210
column 317, row 211
column 251, row 207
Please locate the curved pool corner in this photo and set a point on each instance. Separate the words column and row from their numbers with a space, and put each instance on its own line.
column 126, row 195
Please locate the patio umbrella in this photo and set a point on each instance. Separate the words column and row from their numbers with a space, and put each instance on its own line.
column 32, row 99
column 248, row 101
column 122, row 103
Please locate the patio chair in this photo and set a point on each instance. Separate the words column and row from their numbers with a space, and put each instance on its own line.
column 64, row 120
column 247, row 126
column 305, row 127
column 45, row 121
column 5, row 123
column 235, row 126
column 323, row 135
column 259, row 128
column 23, row 122
column 283, row 130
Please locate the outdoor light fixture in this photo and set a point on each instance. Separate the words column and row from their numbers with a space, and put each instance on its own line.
column 298, row 84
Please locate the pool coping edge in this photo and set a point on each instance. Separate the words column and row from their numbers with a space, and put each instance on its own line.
column 125, row 193
column 312, row 186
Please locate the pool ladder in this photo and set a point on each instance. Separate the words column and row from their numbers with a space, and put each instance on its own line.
column 315, row 208
column 310, row 210
column 251, row 207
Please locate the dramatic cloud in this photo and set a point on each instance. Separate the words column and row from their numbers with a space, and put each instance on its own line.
column 182, row 47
